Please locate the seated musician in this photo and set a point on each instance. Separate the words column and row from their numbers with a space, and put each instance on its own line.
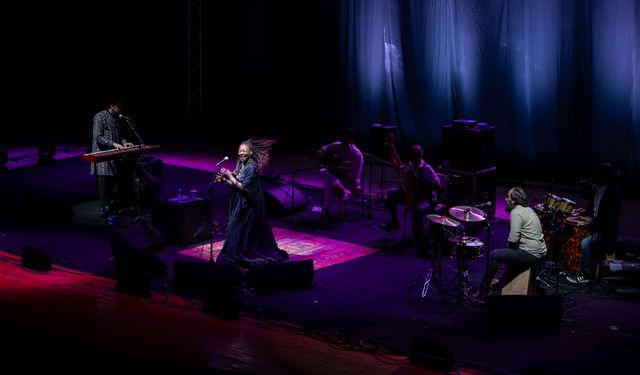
column 419, row 191
column 109, row 133
column 526, row 245
column 604, row 208
column 341, row 169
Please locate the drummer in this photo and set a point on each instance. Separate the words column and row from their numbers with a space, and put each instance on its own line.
column 526, row 244
column 604, row 207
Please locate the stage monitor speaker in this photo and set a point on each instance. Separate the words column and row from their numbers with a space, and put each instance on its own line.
column 468, row 149
column 378, row 135
column 283, row 199
column 35, row 259
column 219, row 283
column 182, row 222
column 141, row 236
column 133, row 249
column 281, row 276
column 525, row 314
column 204, row 277
column 430, row 354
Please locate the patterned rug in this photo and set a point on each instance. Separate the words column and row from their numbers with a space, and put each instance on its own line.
column 324, row 251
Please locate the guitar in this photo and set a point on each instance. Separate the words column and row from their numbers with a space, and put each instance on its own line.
column 333, row 163
column 414, row 195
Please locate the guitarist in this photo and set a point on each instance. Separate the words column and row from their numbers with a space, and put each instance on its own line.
column 419, row 192
column 341, row 165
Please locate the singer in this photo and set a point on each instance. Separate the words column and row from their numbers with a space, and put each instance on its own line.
column 114, row 178
column 249, row 240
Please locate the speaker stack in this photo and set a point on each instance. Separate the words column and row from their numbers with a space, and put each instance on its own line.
column 378, row 134
column 469, row 161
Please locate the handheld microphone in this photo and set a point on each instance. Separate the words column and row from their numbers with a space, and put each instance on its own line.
column 222, row 161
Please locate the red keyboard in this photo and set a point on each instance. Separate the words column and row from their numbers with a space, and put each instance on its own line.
column 98, row 156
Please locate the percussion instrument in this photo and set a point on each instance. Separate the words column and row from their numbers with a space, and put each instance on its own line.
column 551, row 223
column 552, row 201
column 575, row 230
column 471, row 247
column 439, row 219
column 467, row 213
column 566, row 206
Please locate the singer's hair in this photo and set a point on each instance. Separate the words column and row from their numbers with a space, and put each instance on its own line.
column 261, row 148
column 518, row 196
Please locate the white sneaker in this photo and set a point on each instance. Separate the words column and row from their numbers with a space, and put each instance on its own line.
column 577, row 279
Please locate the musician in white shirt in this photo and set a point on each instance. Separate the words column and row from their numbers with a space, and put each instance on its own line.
column 341, row 171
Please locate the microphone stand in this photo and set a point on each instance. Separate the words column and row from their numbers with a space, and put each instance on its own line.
column 138, row 168
column 213, row 228
column 135, row 132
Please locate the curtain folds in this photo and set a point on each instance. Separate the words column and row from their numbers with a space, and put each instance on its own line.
column 560, row 80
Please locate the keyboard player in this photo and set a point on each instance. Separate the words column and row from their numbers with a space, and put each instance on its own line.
column 114, row 178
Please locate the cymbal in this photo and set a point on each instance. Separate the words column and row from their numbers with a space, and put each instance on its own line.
column 467, row 213
column 439, row 219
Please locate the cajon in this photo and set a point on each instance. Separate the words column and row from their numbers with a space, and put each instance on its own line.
column 516, row 280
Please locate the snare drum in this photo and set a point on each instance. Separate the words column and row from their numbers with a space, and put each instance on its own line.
column 552, row 201
column 566, row 206
column 575, row 230
column 471, row 247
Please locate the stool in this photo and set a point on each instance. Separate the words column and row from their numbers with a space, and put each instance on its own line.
column 517, row 280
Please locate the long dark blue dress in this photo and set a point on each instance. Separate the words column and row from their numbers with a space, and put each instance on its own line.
column 249, row 240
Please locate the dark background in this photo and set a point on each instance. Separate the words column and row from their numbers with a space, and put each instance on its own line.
column 273, row 68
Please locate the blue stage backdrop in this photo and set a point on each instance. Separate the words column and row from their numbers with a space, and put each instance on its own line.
column 560, row 80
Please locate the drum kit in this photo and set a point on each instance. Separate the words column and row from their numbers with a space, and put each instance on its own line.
column 464, row 247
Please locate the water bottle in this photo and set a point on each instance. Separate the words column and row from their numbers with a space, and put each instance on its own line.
column 179, row 195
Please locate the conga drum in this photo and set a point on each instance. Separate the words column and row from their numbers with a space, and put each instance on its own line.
column 552, row 201
column 576, row 229
column 546, row 217
column 566, row 206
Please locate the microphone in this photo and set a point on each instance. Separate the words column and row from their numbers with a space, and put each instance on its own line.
column 123, row 117
column 586, row 181
column 222, row 161
column 484, row 205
